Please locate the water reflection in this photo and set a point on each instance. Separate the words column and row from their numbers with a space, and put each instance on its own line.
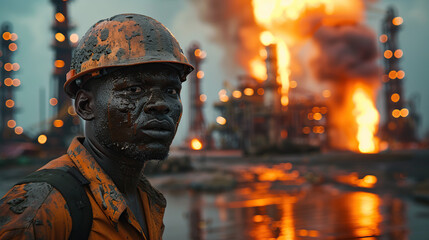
column 271, row 210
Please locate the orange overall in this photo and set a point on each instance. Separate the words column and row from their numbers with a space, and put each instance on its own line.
column 38, row 211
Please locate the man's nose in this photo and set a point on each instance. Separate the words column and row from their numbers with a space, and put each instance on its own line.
column 156, row 103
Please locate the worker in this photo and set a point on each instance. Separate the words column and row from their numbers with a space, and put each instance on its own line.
column 125, row 78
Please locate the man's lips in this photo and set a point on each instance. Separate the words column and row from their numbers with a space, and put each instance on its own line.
column 158, row 128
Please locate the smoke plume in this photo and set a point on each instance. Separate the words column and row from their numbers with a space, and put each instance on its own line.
column 236, row 30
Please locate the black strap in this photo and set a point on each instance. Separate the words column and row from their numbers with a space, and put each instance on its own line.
column 70, row 184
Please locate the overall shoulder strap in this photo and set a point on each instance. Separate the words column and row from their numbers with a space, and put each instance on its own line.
column 70, row 183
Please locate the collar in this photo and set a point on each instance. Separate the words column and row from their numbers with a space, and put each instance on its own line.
column 106, row 194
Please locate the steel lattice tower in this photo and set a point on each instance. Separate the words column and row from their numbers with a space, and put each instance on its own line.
column 7, row 83
column 197, row 129
column 399, row 124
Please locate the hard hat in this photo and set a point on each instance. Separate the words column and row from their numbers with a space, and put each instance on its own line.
column 124, row 40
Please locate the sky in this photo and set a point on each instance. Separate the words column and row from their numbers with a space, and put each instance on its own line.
column 32, row 21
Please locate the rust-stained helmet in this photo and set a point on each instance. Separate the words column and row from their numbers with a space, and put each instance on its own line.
column 124, row 40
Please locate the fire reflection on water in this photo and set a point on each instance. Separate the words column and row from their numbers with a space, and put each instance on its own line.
column 273, row 209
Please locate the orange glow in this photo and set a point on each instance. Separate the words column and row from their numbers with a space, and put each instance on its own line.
column 365, row 207
column 42, row 139
column 224, row 98
column 306, row 130
column 310, row 116
column 317, row 116
column 74, row 38
column 16, row 82
column 383, row 38
column 303, row 232
column 398, row 53
column 236, row 94
column 400, row 74
column 59, row 63
column 388, row 54
column 397, row 21
column 258, row 70
column 404, row 112
column 323, row 110
column 367, row 119
column 258, row 218
column 8, row 82
column 353, row 179
column 58, row 123
column 200, row 74
column 369, row 180
column 315, row 109
column 15, row 67
column 10, row 103
column 53, row 101
column 13, row 47
column 248, row 91
column 196, row 144
column 6, row 36
column 71, row 111
column 203, row 97
column 395, row 97
column 313, row 233
column 283, row 134
column 8, row 67
column 197, row 52
column 222, row 92
column 60, row 37
column 392, row 74
column 19, row 130
column 293, row 84
column 396, row 113
column 266, row 38
column 13, row 37
column 284, row 100
column 326, row 93
column 11, row 123
column 60, row 17
column 260, row 91
column 221, row 120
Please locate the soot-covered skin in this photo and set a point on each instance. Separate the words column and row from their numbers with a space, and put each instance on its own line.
column 136, row 111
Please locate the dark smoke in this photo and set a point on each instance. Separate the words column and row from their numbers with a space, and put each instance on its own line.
column 235, row 27
column 345, row 53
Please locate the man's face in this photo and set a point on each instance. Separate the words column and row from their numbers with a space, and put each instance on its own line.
column 137, row 111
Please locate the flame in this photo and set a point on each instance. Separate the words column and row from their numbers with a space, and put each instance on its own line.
column 196, row 144
column 367, row 119
column 287, row 24
column 287, row 21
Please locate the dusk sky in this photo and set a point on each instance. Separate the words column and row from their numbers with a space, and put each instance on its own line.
column 32, row 21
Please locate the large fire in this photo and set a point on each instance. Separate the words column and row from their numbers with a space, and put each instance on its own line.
column 287, row 23
column 323, row 40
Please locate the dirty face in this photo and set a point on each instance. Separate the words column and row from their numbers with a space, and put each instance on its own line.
column 137, row 110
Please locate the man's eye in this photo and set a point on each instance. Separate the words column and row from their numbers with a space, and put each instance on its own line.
column 172, row 91
column 134, row 89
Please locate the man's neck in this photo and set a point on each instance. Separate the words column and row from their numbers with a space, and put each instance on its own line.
column 124, row 172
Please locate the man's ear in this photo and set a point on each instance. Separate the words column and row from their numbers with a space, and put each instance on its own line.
column 84, row 104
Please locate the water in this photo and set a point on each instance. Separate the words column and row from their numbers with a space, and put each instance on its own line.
column 275, row 211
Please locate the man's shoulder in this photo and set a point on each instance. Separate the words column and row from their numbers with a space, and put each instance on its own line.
column 34, row 205
column 30, row 206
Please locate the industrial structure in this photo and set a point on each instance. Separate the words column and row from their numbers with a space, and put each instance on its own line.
column 65, row 123
column 8, row 46
column 197, row 138
column 400, row 114
column 254, row 118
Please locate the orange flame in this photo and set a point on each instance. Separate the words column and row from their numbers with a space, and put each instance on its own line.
column 367, row 119
column 287, row 21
